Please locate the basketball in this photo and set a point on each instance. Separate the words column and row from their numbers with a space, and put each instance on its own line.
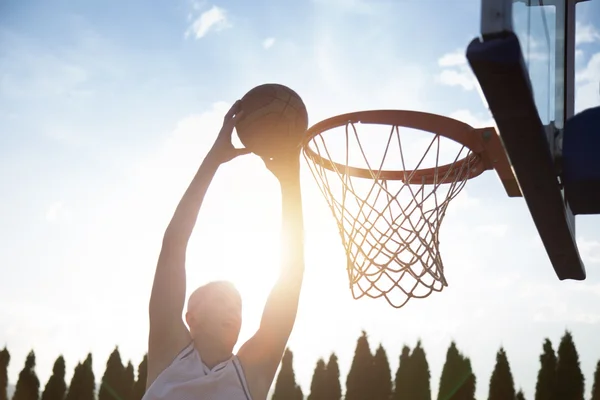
column 275, row 119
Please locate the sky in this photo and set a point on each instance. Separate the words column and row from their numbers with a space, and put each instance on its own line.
column 107, row 109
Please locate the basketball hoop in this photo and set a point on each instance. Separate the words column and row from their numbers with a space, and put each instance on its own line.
column 389, row 217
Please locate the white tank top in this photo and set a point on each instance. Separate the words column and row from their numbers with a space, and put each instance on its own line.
column 188, row 378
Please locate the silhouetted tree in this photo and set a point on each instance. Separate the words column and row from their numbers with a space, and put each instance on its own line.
column 286, row 387
column 4, row 361
column 28, row 384
column 546, row 379
column 381, row 381
column 596, row 385
column 56, row 388
column 569, row 378
column 112, row 385
column 402, row 382
column 318, row 385
column 359, row 380
column 419, row 385
column 332, row 373
column 520, row 395
column 128, row 380
column 75, row 390
column 88, row 391
column 83, row 385
column 139, row 388
column 457, row 381
column 502, row 385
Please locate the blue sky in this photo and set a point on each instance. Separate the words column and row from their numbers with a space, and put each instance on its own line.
column 106, row 109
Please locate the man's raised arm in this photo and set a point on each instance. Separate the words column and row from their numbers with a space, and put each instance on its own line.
column 168, row 333
column 263, row 352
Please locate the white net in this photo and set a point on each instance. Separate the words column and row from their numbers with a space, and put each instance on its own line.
column 389, row 226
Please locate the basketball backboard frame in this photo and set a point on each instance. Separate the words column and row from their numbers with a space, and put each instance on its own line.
column 534, row 148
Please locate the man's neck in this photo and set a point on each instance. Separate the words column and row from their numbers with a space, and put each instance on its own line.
column 210, row 354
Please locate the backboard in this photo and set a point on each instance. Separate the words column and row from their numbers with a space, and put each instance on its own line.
column 524, row 62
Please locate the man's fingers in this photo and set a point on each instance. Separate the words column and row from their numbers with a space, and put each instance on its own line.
column 235, row 109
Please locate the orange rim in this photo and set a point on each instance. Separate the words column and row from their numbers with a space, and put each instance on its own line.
column 458, row 131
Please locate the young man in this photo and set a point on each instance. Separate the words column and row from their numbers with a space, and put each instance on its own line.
column 197, row 363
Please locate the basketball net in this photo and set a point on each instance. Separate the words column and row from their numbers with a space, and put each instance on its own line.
column 389, row 227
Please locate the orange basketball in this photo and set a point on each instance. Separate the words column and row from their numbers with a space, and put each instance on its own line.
column 275, row 119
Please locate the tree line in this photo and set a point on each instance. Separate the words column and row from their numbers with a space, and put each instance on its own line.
column 369, row 377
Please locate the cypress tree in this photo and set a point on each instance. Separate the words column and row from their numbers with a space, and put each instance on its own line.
column 75, row 390
column 111, row 386
column 28, row 385
column 139, row 388
column 88, row 389
column 285, row 386
column 381, row 381
column 56, row 388
column 402, row 381
column 457, row 381
column 569, row 378
column 358, row 381
column 4, row 361
column 318, row 386
column 420, row 388
column 545, row 387
column 332, row 373
column 520, row 395
column 466, row 391
column 596, row 386
column 502, row 386
column 128, row 381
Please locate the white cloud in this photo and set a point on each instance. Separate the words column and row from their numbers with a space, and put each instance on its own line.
column 268, row 42
column 214, row 19
column 475, row 121
column 456, row 71
column 590, row 250
column 454, row 59
column 586, row 33
column 56, row 211
column 587, row 93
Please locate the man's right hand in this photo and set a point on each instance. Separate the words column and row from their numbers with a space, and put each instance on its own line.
column 222, row 150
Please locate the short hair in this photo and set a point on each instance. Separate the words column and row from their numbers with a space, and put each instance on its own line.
column 200, row 293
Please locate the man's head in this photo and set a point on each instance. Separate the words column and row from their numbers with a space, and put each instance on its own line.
column 215, row 314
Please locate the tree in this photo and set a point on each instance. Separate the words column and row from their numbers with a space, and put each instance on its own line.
column 457, row 381
column 596, row 386
column 420, row 388
column 359, row 379
column 569, row 378
column 128, row 380
column 75, row 391
column 502, row 386
column 546, row 379
column 56, row 388
column 381, row 381
column 402, row 382
column 520, row 395
column 28, row 384
column 4, row 361
column 88, row 391
column 332, row 374
column 139, row 387
column 286, row 387
column 83, row 384
column 318, row 388
column 112, row 385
